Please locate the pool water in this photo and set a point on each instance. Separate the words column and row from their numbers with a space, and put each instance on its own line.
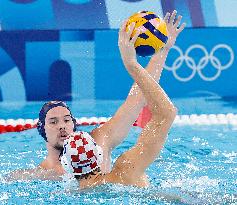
column 198, row 163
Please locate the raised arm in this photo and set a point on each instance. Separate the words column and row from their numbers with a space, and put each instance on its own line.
column 115, row 130
column 132, row 164
column 156, row 64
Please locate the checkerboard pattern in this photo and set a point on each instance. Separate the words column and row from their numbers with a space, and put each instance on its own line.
column 81, row 154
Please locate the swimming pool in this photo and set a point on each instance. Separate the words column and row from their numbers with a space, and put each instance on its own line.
column 198, row 163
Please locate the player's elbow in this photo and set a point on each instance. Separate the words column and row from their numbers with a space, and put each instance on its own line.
column 172, row 114
column 169, row 114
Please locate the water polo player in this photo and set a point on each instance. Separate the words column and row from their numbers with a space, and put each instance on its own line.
column 108, row 136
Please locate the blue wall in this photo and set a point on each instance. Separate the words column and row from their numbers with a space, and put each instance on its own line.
column 67, row 49
column 106, row 14
column 74, row 65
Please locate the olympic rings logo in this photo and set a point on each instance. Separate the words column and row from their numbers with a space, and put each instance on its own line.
column 184, row 58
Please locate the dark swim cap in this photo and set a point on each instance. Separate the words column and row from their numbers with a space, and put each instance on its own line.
column 42, row 115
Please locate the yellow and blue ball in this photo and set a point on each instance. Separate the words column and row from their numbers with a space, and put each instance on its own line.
column 153, row 34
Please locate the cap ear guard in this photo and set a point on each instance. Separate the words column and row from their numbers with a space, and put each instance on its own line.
column 66, row 165
column 40, row 128
column 75, row 124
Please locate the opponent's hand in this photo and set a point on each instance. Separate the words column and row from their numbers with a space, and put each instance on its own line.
column 126, row 44
column 173, row 28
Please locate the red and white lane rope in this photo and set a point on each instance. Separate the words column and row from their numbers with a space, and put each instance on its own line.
column 18, row 125
column 11, row 125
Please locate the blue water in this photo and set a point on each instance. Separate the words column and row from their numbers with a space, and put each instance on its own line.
column 198, row 163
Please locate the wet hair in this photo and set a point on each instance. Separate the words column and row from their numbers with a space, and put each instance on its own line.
column 85, row 176
column 43, row 112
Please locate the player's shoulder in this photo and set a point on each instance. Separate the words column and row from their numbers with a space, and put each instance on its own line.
column 20, row 174
column 37, row 173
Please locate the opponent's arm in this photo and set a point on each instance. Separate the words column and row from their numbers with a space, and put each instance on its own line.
column 116, row 129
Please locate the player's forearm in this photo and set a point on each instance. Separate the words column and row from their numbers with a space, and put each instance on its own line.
column 157, row 62
column 154, row 68
column 152, row 91
column 135, row 101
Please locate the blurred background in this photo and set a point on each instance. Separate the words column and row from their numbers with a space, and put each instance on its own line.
column 67, row 49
